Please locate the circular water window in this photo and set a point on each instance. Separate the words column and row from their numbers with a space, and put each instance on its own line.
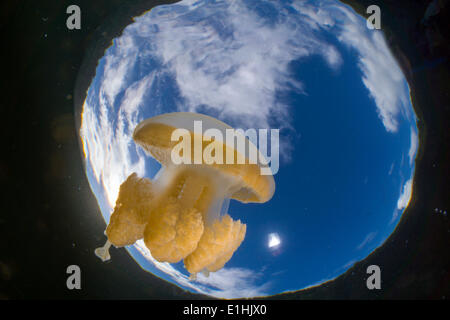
column 312, row 70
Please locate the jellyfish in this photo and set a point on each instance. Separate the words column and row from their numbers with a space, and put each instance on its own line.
column 181, row 214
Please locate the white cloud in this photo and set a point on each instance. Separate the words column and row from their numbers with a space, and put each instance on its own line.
column 227, row 283
column 394, row 216
column 369, row 237
column 107, row 147
column 381, row 73
column 413, row 146
column 405, row 195
column 315, row 284
column 234, row 283
column 391, row 169
column 403, row 200
column 314, row 15
column 348, row 264
column 117, row 65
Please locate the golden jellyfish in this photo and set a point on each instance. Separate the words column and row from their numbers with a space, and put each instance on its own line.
column 180, row 213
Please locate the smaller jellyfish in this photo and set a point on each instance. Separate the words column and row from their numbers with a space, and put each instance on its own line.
column 181, row 213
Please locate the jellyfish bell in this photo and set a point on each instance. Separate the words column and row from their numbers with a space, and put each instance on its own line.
column 180, row 213
column 156, row 136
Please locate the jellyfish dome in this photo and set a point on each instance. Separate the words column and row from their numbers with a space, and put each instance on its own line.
column 322, row 184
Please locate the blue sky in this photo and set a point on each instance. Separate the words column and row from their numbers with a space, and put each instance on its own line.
column 311, row 69
column 336, row 193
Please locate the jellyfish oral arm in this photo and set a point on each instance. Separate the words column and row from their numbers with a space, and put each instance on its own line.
column 194, row 197
column 103, row 252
